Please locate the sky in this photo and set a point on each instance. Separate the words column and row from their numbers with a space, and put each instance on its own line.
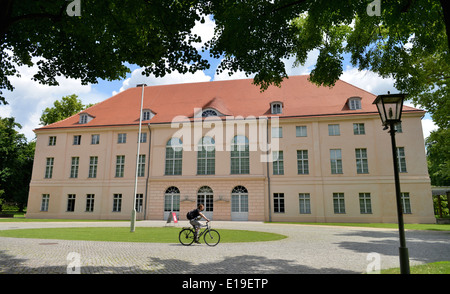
column 29, row 98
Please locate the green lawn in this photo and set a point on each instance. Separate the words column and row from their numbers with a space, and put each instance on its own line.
column 441, row 267
column 141, row 234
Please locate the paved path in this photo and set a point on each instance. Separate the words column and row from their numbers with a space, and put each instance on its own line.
column 308, row 249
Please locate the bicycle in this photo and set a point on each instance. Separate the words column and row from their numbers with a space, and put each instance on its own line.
column 211, row 236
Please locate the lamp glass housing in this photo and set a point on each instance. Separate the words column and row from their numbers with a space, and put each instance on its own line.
column 390, row 107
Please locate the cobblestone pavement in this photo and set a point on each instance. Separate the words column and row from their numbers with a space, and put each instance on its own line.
column 308, row 249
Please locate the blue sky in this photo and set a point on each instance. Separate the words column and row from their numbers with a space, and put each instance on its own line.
column 29, row 99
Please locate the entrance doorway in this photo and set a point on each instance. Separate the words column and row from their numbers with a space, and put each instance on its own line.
column 171, row 201
column 205, row 196
column 239, row 204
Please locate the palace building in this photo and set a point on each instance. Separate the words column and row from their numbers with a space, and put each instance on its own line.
column 292, row 153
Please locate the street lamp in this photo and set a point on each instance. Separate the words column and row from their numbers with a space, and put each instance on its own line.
column 390, row 110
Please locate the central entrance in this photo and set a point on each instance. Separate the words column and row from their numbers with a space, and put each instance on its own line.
column 205, row 196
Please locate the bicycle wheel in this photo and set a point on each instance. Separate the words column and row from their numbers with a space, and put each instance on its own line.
column 212, row 238
column 186, row 237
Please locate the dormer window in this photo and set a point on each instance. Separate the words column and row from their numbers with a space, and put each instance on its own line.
column 85, row 118
column 276, row 107
column 354, row 103
column 209, row 112
column 147, row 114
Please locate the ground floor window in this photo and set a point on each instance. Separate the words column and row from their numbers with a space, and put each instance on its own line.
column 90, row 202
column 338, row 203
column 45, row 201
column 406, row 203
column 117, row 203
column 139, row 202
column 278, row 202
column 365, row 205
column 304, row 203
column 71, row 202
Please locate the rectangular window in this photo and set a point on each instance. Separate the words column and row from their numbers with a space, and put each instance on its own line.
column 336, row 161
column 338, row 203
column 77, row 140
column 90, row 202
column 93, row 161
column 74, row 167
column 49, row 167
column 362, row 166
column 304, row 203
column 122, row 138
column 278, row 165
column 240, row 156
column 406, row 203
column 278, row 202
column 277, row 132
column 71, row 202
column 365, row 204
column 300, row 131
column 117, row 203
column 174, row 160
column 139, row 202
column 120, row 166
column 52, row 141
column 141, row 166
column 95, row 139
column 206, row 157
column 401, row 159
column 143, row 137
column 358, row 129
column 398, row 127
column 333, row 130
column 302, row 162
column 45, row 201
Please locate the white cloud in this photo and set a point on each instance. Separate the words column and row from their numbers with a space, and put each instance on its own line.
column 204, row 30
column 172, row 78
column 368, row 81
column 428, row 126
column 29, row 98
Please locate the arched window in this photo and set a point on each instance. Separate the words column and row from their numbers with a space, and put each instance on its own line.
column 276, row 107
column 205, row 196
column 172, row 199
column 240, row 155
column 206, row 156
column 239, row 203
column 174, row 156
column 209, row 112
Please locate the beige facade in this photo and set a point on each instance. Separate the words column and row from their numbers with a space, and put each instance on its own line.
column 331, row 168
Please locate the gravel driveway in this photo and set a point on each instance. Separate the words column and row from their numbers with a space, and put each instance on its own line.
column 308, row 249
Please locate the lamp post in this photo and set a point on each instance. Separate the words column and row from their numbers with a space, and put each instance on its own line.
column 390, row 110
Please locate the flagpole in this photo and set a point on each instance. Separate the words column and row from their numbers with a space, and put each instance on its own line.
column 133, row 211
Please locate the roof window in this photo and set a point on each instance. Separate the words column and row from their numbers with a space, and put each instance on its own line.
column 354, row 103
column 276, row 107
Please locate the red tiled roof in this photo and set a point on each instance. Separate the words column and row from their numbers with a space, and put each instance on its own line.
column 231, row 98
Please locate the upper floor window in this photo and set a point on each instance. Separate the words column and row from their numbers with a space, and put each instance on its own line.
column 122, row 138
column 52, row 141
column 354, row 103
column 85, row 118
column 276, row 107
column 147, row 114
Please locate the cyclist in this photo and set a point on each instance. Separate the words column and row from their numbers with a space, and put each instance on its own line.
column 194, row 216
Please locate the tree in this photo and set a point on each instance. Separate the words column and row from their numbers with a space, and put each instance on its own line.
column 16, row 163
column 407, row 41
column 152, row 34
column 68, row 106
column 438, row 156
